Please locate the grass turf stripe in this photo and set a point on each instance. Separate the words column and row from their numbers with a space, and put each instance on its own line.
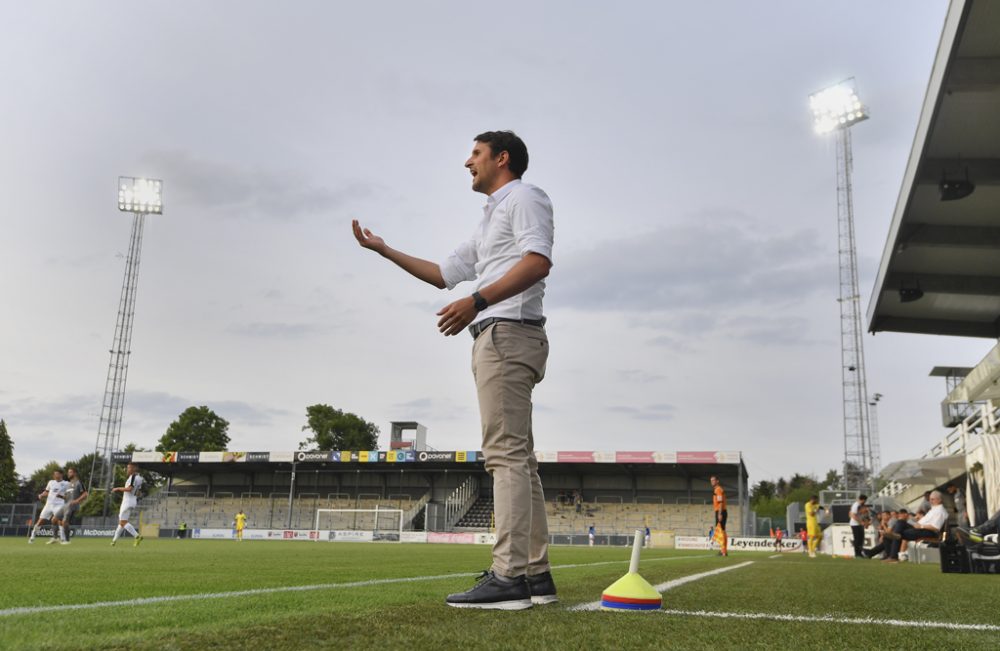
column 31, row 610
column 670, row 585
column 832, row 619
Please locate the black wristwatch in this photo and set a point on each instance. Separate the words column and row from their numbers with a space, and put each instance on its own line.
column 479, row 301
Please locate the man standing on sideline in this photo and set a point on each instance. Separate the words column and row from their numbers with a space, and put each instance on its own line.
column 813, row 530
column 130, row 499
column 721, row 515
column 509, row 255
column 55, row 498
column 75, row 495
column 857, row 526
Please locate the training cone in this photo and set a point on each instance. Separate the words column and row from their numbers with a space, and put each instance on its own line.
column 632, row 592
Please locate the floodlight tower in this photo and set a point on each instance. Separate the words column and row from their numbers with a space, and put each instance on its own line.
column 836, row 109
column 140, row 197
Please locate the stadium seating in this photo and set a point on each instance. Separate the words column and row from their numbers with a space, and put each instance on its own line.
column 168, row 509
column 613, row 517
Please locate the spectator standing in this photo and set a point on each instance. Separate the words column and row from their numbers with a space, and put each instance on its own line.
column 958, row 497
column 857, row 525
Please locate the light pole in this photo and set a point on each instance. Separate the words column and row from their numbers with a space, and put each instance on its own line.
column 836, row 109
column 140, row 197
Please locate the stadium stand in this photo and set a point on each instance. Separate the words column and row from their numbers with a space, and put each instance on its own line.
column 616, row 492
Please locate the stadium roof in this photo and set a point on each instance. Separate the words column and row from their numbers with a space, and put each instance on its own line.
column 981, row 382
column 690, row 463
column 950, row 250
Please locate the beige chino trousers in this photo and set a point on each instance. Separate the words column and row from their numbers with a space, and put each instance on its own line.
column 508, row 360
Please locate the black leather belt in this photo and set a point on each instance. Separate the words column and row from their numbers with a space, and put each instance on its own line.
column 477, row 328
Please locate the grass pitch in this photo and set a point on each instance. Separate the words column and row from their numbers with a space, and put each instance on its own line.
column 281, row 608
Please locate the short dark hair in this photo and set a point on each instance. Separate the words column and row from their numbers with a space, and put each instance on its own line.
column 510, row 142
column 904, row 511
column 862, row 496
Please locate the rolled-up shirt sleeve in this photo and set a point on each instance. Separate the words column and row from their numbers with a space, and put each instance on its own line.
column 460, row 265
column 531, row 220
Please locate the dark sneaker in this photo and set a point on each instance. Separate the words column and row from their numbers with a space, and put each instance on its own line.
column 494, row 592
column 542, row 588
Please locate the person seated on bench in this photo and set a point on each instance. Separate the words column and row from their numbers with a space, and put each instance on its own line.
column 887, row 520
column 977, row 533
column 928, row 527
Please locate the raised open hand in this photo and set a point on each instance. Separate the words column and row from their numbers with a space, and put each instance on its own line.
column 368, row 239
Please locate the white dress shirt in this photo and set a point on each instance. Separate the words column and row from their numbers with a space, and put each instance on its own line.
column 937, row 517
column 517, row 220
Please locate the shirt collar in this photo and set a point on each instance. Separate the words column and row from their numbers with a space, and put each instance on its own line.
column 499, row 195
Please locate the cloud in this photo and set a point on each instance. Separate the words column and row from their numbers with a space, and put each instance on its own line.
column 279, row 330
column 431, row 409
column 654, row 412
column 773, row 331
column 638, row 376
column 714, row 259
column 70, row 413
column 225, row 189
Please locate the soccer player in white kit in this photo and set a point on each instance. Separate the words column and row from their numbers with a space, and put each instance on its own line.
column 130, row 499
column 55, row 498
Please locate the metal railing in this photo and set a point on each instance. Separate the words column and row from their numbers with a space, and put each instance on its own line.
column 460, row 500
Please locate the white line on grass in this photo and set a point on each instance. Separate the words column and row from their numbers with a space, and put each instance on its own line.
column 670, row 585
column 31, row 610
column 776, row 556
column 834, row 620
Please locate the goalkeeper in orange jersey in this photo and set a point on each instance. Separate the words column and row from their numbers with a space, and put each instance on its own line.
column 812, row 524
column 719, row 509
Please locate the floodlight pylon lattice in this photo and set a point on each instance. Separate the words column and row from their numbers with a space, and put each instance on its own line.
column 837, row 109
column 139, row 197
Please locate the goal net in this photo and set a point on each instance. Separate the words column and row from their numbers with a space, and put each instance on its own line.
column 360, row 525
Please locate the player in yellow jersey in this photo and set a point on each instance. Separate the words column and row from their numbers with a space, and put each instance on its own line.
column 240, row 521
column 812, row 524
column 719, row 509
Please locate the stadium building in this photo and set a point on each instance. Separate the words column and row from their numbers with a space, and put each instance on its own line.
column 940, row 270
column 440, row 492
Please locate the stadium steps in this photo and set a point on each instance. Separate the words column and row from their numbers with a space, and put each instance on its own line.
column 479, row 515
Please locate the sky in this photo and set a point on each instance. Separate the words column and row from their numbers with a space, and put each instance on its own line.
column 692, row 302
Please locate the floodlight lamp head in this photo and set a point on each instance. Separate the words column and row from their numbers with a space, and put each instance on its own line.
column 909, row 294
column 955, row 189
column 837, row 107
column 139, row 195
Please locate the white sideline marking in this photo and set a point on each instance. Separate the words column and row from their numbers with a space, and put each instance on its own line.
column 31, row 610
column 834, row 620
column 670, row 585
column 776, row 556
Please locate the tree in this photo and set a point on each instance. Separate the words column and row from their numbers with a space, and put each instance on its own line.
column 8, row 478
column 762, row 490
column 334, row 429
column 197, row 429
